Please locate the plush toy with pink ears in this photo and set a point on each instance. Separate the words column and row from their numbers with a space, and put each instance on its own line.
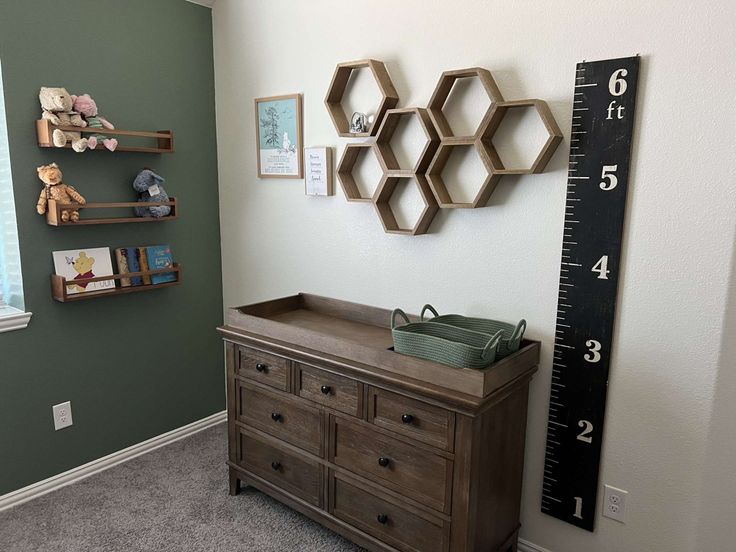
column 86, row 106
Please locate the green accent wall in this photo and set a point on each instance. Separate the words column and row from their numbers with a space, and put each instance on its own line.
column 138, row 365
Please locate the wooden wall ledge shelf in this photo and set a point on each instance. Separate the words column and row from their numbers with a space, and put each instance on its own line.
column 59, row 285
column 53, row 213
column 165, row 138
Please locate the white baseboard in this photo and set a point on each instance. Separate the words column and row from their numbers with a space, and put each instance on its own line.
column 526, row 546
column 76, row 474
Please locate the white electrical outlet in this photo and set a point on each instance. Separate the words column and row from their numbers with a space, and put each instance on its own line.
column 614, row 503
column 62, row 415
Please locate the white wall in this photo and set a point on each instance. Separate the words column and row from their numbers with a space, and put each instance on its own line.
column 504, row 260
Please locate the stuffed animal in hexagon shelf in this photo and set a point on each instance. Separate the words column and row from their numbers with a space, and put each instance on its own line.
column 150, row 188
column 55, row 189
column 86, row 106
column 57, row 105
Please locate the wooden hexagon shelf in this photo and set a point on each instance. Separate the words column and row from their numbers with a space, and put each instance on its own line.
column 493, row 121
column 436, row 182
column 387, row 156
column 349, row 158
column 382, row 202
column 442, row 92
column 333, row 101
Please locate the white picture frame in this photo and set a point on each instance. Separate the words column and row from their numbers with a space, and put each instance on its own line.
column 318, row 171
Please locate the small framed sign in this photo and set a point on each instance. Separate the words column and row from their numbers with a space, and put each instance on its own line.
column 318, row 171
column 279, row 142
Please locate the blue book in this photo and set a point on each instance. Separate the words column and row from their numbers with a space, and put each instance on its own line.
column 159, row 256
column 133, row 265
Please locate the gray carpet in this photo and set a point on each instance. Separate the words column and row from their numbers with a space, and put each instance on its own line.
column 174, row 498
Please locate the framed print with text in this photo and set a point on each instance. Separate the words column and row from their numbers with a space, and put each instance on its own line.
column 318, row 175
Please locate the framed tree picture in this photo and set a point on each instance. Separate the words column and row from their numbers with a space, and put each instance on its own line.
column 279, row 136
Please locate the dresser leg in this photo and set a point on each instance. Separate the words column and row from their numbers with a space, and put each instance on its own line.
column 234, row 483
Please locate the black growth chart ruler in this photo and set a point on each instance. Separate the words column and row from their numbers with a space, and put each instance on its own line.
column 600, row 149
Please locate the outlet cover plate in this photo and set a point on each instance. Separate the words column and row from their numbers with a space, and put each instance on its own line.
column 62, row 415
column 614, row 503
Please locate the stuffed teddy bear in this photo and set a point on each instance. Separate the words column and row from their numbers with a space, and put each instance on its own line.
column 149, row 186
column 55, row 189
column 57, row 105
column 87, row 107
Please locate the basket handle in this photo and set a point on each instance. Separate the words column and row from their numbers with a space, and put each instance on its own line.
column 519, row 331
column 430, row 308
column 492, row 344
column 402, row 314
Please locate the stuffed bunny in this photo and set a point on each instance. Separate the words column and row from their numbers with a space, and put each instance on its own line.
column 149, row 186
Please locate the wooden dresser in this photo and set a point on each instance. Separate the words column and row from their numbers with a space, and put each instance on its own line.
column 393, row 452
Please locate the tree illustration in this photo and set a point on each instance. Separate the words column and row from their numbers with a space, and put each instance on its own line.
column 270, row 124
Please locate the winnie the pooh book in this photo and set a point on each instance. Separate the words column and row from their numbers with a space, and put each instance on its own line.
column 79, row 265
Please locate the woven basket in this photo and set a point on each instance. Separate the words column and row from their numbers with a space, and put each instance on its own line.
column 510, row 338
column 442, row 343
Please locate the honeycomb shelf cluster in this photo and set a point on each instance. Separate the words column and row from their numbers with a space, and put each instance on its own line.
column 440, row 141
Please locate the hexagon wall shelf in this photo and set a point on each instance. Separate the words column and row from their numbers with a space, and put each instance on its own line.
column 386, row 133
column 442, row 92
column 493, row 121
column 437, row 184
column 440, row 141
column 333, row 101
column 345, row 167
column 382, row 202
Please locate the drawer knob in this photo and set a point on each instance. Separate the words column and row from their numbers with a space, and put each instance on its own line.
column 325, row 389
column 383, row 462
column 276, row 466
column 276, row 417
column 407, row 418
column 260, row 367
column 382, row 519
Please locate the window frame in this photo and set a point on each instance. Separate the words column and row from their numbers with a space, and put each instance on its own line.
column 11, row 318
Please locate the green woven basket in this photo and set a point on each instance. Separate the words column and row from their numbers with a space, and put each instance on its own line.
column 511, row 335
column 443, row 343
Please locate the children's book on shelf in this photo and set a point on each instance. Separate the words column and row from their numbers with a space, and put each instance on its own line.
column 159, row 257
column 122, row 259
column 131, row 254
column 78, row 265
column 142, row 259
column 143, row 263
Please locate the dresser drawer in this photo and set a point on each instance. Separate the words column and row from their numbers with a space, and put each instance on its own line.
column 264, row 368
column 403, row 527
column 283, row 417
column 415, row 472
column 337, row 392
column 416, row 419
column 299, row 476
